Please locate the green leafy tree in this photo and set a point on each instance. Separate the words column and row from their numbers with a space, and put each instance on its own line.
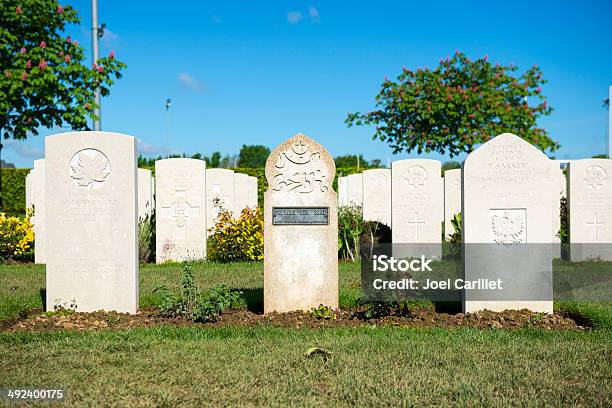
column 253, row 156
column 351, row 160
column 44, row 81
column 214, row 160
column 457, row 105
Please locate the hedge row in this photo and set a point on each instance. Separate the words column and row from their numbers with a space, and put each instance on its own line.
column 13, row 186
column 13, row 191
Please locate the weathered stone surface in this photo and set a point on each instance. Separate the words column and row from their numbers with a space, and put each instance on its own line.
column 452, row 199
column 507, row 203
column 181, row 209
column 300, row 261
column 145, row 193
column 377, row 196
column 253, row 192
column 355, row 189
column 343, row 192
column 241, row 193
column 220, row 189
column 417, row 204
column 40, row 217
column 91, row 198
column 590, row 209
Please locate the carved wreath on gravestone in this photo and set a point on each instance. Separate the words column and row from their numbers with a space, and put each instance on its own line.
column 416, row 176
column 89, row 169
column 595, row 177
column 508, row 227
column 298, row 168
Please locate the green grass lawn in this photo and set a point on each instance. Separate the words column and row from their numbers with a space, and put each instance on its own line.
column 369, row 365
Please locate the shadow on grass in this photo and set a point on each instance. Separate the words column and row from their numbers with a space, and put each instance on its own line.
column 449, row 307
column 42, row 292
column 254, row 299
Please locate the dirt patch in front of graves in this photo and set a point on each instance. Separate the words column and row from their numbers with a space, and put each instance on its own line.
column 509, row 319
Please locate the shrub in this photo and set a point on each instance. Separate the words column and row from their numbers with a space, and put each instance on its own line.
column 455, row 237
column 191, row 304
column 350, row 228
column 563, row 233
column 235, row 240
column 324, row 312
column 16, row 236
column 13, row 191
column 146, row 238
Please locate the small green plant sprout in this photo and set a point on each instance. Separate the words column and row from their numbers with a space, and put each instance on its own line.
column 324, row 312
column 536, row 318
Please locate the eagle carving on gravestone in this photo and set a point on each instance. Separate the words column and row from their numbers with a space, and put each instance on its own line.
column 508, row 228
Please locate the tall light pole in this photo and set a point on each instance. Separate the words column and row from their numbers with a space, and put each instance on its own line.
column 167, row 105
column 609, row 123
column 96, row 33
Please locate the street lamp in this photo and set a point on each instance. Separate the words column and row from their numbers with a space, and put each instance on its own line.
column 167, row 105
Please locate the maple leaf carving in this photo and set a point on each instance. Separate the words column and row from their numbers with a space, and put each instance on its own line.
column 89, row 169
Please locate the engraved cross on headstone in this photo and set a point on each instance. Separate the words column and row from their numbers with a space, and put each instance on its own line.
column 180, row 210
column 416, row 223
column 595, row 224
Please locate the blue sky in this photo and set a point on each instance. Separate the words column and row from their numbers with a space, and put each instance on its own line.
column 257, row 72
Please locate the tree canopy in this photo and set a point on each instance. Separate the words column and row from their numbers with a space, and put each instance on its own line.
column 44, row 81
column 350, row 160
column 457, row 105
column 253, row 156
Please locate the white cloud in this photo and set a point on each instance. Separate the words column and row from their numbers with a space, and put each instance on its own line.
column 294, row 17
column 23, row 149
column 315, row 17
column 190, row 82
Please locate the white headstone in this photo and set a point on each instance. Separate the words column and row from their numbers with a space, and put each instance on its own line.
column 416, row 206
column 220, row 186
column 241, row 193
column 29, row 200
column 507, row 202
column 590, row 209
column 355, row 190
column 377, row 196
column 145, row 193
column 452, row 199
column 253, row 192
column 180, row 214
column 343, row 191
column 91, row 197
column 40, row 223
column 300, row 228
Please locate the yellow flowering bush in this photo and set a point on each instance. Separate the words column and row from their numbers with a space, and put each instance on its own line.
column 237, row 239
column 16, row 236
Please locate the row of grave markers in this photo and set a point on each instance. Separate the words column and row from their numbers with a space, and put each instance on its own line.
column 413, row 199
column 185, row 205
column 508, row 197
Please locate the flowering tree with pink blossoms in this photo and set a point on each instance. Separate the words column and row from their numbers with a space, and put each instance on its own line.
column 44, row 81
column 457, row 105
